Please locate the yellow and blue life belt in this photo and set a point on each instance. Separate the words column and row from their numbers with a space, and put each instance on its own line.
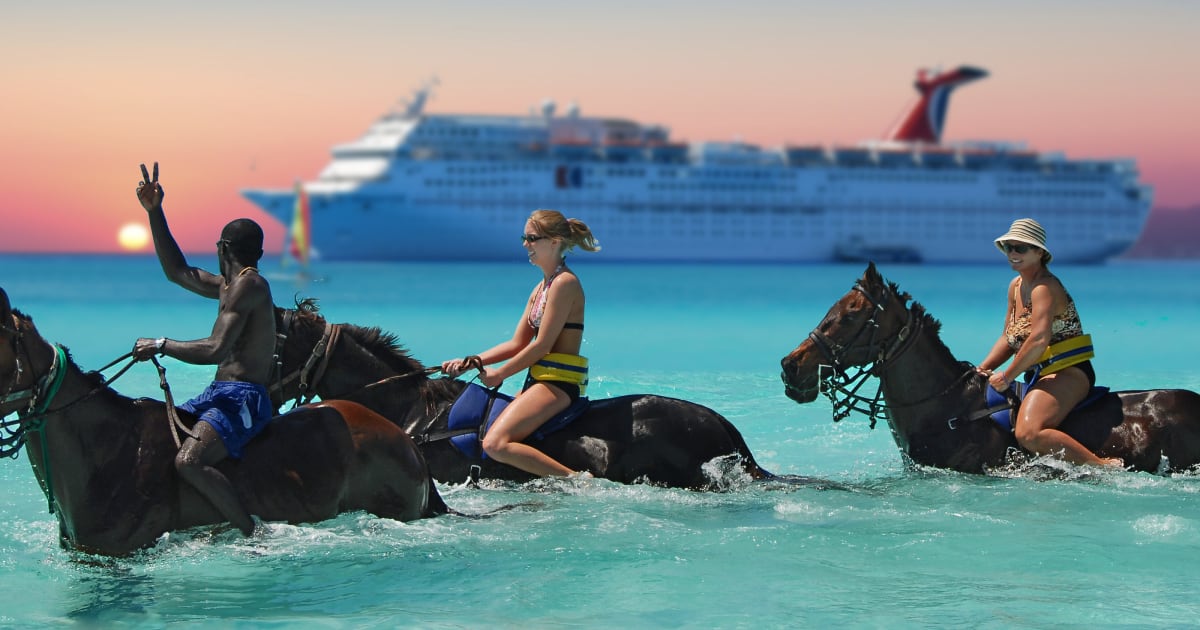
column 563, row 368
column 1065, row 353
column 1061, row 355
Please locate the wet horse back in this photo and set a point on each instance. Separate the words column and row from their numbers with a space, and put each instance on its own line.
column 1141, row 426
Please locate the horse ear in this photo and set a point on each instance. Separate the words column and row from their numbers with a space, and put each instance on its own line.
column 5, row 306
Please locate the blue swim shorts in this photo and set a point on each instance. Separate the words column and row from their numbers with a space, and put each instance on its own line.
column 238, row 411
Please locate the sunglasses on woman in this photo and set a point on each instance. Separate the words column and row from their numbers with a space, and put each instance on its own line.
column 532, row 238
column 1019, row 248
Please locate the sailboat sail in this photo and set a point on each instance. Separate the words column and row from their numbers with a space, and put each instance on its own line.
column 300, row 241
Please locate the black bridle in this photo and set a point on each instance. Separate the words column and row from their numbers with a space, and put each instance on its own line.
column 12, row 432
column 313, row 370
column 837, row 383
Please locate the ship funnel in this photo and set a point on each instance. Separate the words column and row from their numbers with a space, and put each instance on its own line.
column 548, row 108
column 926, row 118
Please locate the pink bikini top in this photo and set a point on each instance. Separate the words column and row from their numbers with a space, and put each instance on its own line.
column 539, row 306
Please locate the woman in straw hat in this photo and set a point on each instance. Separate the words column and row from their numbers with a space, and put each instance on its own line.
column 1044, row 338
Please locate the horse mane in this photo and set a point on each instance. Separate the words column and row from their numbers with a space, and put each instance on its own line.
column 930, row 322
column 387, row 348
column 383, row 345
column 916, row 308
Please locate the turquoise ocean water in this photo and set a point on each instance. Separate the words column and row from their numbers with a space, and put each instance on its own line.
column 894, row 548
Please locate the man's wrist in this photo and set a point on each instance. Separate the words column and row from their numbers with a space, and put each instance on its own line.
column 160, row 344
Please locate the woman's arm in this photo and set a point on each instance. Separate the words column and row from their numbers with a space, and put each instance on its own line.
column 1001, row 351
column 522, row 334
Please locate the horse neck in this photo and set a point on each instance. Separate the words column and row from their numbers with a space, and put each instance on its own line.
column 916, row 378
column 352, row 366
column 87, row 445
column 355, row 373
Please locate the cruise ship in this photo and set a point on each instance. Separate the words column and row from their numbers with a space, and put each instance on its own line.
column 431, row 186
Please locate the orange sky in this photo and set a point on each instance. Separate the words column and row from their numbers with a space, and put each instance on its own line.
column 229, row 95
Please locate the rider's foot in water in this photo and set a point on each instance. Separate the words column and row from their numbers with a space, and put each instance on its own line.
column 581, row 474
column 1112, row 462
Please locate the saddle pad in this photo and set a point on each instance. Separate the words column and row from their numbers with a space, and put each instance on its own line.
column 468, row 413
column 475, row 401
column 472, row 403
column 1004, row 416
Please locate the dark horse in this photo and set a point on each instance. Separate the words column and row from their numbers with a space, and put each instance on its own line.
column 635, row 438
column 936, row 404
column 106, row 462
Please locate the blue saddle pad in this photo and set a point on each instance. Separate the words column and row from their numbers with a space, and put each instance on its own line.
column 477, row 408
column 1004, row 416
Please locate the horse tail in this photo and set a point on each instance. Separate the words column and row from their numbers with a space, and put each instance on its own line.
column 437, row 506
column 750, row 465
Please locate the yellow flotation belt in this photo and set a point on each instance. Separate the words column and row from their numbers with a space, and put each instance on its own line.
column 1064, row 354
column 564, row 368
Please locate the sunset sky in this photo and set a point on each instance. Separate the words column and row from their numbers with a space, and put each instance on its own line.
column 232, row 95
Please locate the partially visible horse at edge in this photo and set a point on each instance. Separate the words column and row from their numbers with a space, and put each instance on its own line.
column 106, row 462
column 629, row 439
column 936, row 405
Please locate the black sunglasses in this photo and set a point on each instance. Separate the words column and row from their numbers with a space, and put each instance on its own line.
column 532, row 238
column 1019, row 248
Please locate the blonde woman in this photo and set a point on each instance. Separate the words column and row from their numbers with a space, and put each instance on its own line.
column 1044, row 338
column 546, row 342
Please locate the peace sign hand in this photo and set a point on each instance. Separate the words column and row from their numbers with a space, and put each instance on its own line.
column 149, row 192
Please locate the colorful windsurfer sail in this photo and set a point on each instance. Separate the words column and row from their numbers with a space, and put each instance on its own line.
column 300, row 242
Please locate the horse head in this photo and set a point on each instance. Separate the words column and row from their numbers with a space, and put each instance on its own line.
column 298, row 351
column 11, row 351
column 869, row 324
column 333, row 360
column 24, row 360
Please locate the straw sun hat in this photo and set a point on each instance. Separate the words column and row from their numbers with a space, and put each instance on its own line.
column 1029, row 232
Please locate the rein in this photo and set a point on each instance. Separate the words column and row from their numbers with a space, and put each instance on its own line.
column 173, row 422
column 471, row 362
column 40, row 395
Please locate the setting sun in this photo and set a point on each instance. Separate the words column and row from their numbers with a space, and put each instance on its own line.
column 133, row 237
